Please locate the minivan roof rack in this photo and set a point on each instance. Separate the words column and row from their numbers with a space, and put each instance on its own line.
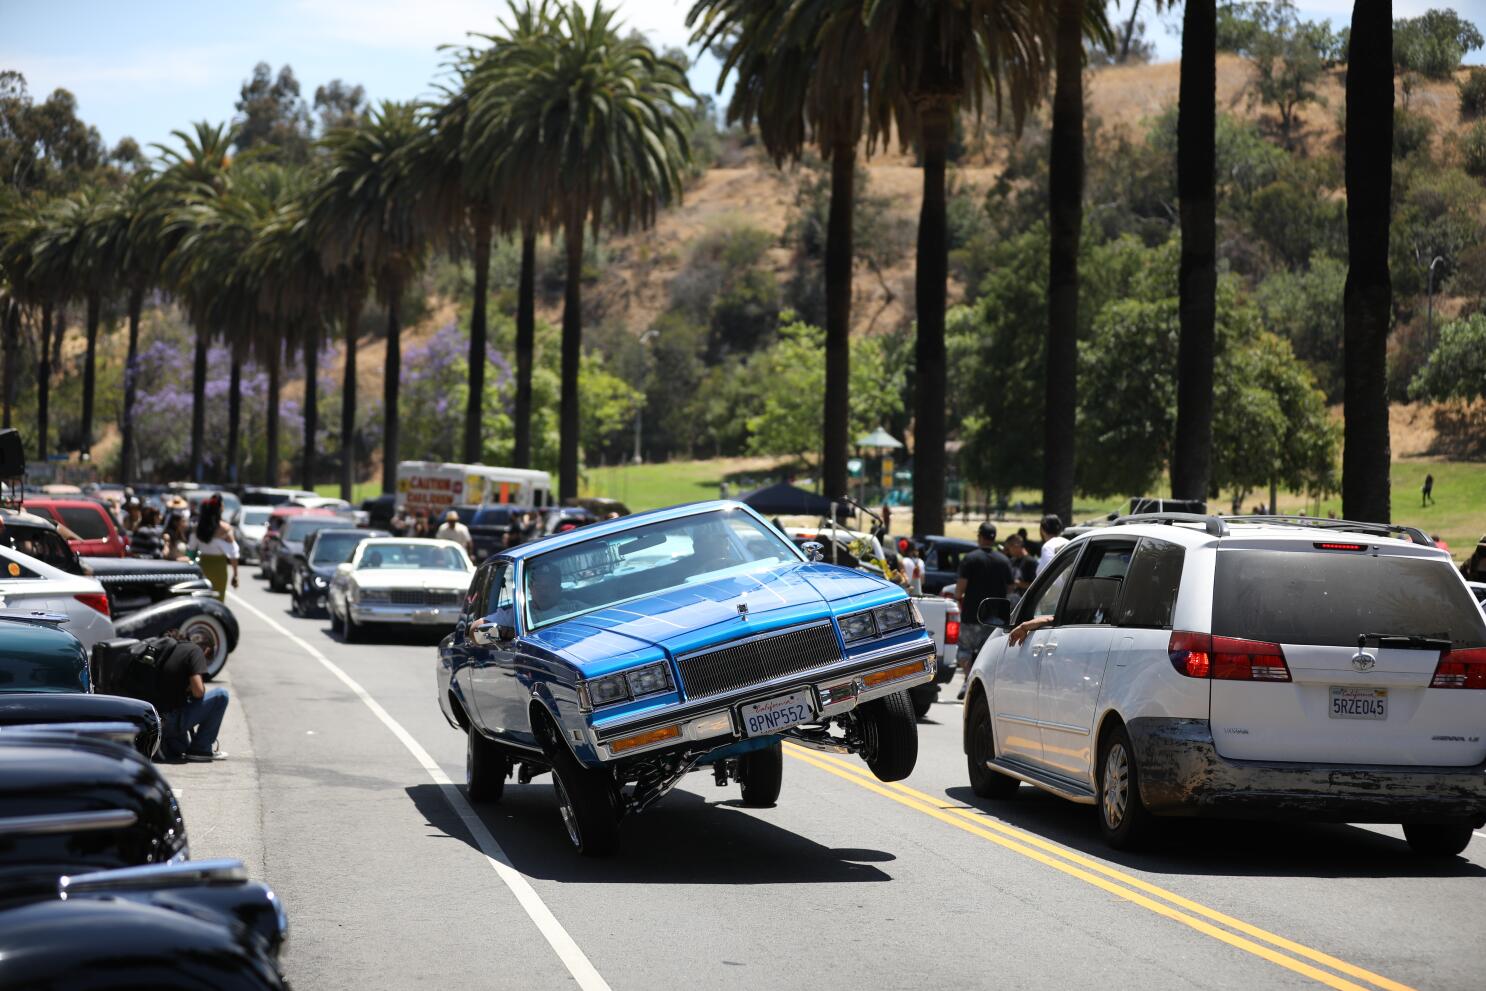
column 1214, row 525
column 1348, row 526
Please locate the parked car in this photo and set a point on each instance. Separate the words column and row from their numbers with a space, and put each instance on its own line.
column 95, row 530
column 268, row 549
column 324, row 550
column 105, row 597
column 262, row 495
column 399, row 581
column 252, row 525
column 623, row 655
column 46, row 680
column 1310, row 669
column 489, row 526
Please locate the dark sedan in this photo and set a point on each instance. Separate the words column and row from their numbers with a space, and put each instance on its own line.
column 313, row 569
column 290, row 545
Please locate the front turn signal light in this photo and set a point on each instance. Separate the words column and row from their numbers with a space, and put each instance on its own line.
column 645, row 739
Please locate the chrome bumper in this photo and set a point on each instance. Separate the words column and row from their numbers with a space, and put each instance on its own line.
column 380, row 612
column 835, row 689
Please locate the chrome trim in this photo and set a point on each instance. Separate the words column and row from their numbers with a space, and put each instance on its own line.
column 67, row 822
column 1062, row 787
column 782, row 631
column 1021, row 720
column 153, row 876
column 688, row 710
column 115, row 732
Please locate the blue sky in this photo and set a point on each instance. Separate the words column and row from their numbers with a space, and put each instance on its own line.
column 147, row 67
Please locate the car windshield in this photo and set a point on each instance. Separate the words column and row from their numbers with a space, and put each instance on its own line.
column 647, row 559
column 409, row 556
column 296, row 529
column 254, row 517
column 335, row 548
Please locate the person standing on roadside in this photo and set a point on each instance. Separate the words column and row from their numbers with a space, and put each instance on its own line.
column 456, row 531
column 1023, row 566
column 1052, row 540
column 911, row 564
column 216, row 550
column 148, row 538
column 985, row 573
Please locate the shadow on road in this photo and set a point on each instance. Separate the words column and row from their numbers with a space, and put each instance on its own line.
column 682, row 840
column 1223, row 847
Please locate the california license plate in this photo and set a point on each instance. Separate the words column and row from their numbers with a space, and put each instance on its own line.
column 1358, row 703
column 425, row 615
column 777, row 714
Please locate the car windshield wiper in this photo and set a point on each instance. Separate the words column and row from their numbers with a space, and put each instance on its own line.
column 1404, row 642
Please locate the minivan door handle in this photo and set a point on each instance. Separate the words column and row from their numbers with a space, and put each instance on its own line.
column 1050, row 647
column 1037, row 650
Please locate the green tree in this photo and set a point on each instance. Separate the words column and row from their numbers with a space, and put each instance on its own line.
column 1304, row 306
column 1288, row 54
column 1434, row 43
column 272, row 119
column 599, row 127
column 1457, row 367
column 339, row 104
column 44, row 146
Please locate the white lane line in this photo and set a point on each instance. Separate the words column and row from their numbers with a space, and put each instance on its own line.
column 573, row 958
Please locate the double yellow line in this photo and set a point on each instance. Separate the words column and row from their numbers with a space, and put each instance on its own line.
column 1209, row 922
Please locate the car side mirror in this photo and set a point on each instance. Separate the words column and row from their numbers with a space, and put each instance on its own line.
column 995, row 613
column 499, row 628
column 814, row 550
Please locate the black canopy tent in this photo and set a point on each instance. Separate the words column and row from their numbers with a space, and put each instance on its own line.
column 783, row 499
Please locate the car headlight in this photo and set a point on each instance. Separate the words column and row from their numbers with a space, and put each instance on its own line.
column 649, row 680
column 320, row 582
column 603, row 691
column 857, row 626
column 894, row 616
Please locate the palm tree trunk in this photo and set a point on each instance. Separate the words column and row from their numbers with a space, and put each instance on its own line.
column 43, row 381
column 8, row 342
column 931, row 275
column 1368, row 297
column 474, row 446
column 311, row 405
column 59, row 332
column 271, row 463
column 1065, row 222
column 348, row 398
column 131, row 386
column 95, row 306
column 838, row 320
column 526, row 329
column 390, row 384
column 198, row 408
column 1191, row 456
column 234, row 414
column 572, row 349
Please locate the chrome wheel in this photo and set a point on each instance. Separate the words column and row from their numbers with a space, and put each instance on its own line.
column 1116, row 791
column 565, row 806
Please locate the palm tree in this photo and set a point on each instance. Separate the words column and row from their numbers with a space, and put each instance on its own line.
column 1368, row 297
column 800, row 72
column 199, row 168
column 1196, row 177
column 43, row 239
column 927, row 59
column 598, row 123
column 365, row 212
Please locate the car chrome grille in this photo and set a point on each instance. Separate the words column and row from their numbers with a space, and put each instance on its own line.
column 758, row 659
column 424, row 597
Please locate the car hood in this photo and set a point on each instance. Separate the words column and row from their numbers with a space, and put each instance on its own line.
column 681, row 620
column 412, row 578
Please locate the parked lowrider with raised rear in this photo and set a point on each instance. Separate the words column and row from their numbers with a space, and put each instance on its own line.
column 625, row 654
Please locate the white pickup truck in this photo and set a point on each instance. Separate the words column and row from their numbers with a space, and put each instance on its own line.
column 941, row 613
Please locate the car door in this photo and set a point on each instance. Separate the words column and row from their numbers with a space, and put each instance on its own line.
column 495, row 672
column 1014, row 686
column 1074, row 655
column 459, row 651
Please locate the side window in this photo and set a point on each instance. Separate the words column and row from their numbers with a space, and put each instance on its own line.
column 1042, row 598
column 949, row 559
column 1096, row 584
column 504, row 583
column 1151, row 586
column 477, row 594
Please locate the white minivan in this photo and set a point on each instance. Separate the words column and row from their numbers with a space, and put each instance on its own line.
column 1311, row 669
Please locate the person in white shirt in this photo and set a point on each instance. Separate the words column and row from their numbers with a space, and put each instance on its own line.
column 1052, row 540
column 456, row 531
column 912, row 566
column 215, row 547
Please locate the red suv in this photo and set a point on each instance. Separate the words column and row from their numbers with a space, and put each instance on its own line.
column 93, row 533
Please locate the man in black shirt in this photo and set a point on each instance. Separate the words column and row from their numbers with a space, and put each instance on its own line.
column 985, row 573
column 190, row 715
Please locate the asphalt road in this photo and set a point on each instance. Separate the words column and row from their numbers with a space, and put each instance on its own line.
column 338, row 794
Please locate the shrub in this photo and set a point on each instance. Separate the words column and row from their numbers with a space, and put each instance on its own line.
column 1410, row 132
column 1473, row 94
column 1473, row 150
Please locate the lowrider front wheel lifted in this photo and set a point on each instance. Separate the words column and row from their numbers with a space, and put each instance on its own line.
column 586, row 797
column 485, row 768
column 761, row 773
column 889, row 734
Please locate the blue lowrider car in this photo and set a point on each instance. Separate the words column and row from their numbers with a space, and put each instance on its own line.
column 622, row 655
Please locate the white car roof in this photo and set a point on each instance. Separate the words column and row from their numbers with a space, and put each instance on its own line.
column 1195, row 534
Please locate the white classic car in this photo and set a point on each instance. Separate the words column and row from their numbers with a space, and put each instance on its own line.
column 399, row 580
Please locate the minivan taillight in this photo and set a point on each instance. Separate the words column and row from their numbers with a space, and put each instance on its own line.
column 1461, row 669
column 952, row 628
column 94, row 600
column 1199, row 655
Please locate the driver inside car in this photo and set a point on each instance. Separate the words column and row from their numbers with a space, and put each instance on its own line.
column 544, row 591
column 710, row 550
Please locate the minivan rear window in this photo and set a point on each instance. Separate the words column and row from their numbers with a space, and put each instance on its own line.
column 1330, row 598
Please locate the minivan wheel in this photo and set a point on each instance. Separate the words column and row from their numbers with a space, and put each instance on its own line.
column 982, row 747
column 1434, row 839
column 1123, row 818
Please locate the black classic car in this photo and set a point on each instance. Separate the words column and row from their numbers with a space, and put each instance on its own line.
column 314, row 566
column 146, row 597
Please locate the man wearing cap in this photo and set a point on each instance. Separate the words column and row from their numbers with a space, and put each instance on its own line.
column 456, row 531
column 985, row 573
